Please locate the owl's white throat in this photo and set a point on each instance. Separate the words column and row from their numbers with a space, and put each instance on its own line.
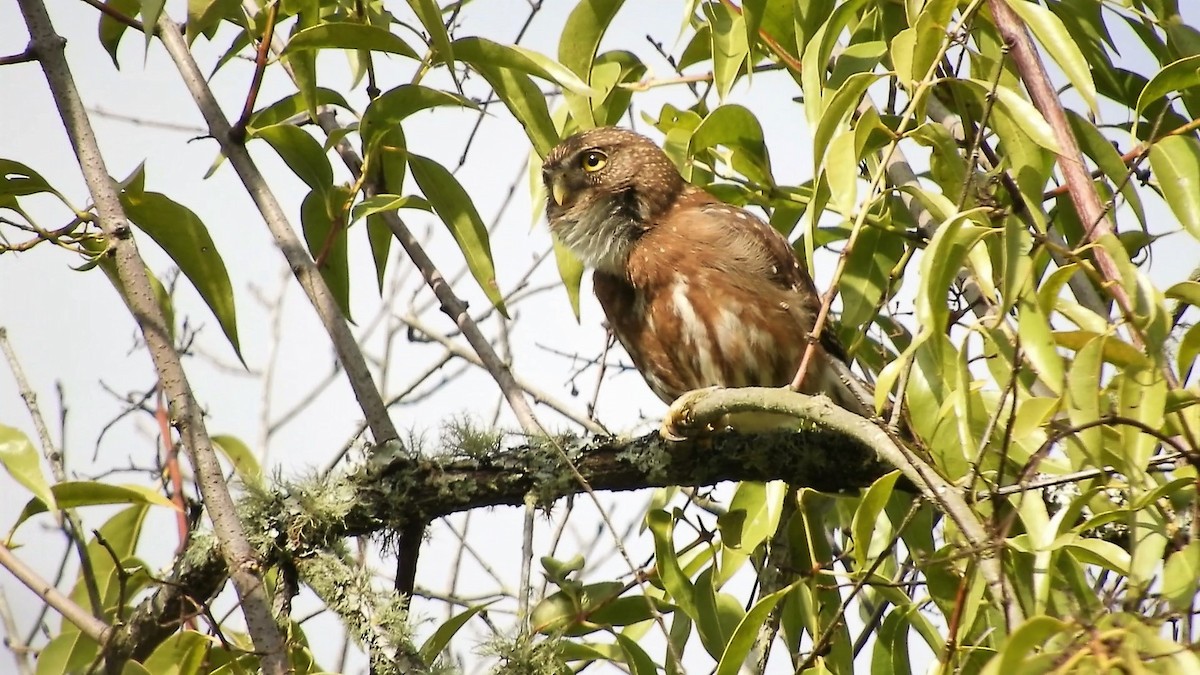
column 601, row 236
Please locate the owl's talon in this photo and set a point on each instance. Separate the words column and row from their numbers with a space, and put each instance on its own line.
column 677, row 424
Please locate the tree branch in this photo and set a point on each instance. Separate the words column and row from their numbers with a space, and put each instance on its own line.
column 89, row 625
column 697, row 409
column 300, row 262
column 389, row 492
column 241, row 562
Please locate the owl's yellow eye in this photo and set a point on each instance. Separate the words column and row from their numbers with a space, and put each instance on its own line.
column 594, row 160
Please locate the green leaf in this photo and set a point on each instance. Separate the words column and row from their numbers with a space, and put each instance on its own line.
column 302, row 154
column 916, row 49
column 1185, row 291
column 204, row 17
column 941, row 262
column 753, row 516
column 1036, row 340
column 347, row 35
column 185, row 239
column 180, row 654
column 1189, row 348
column 387, row 202
column 134, row 668
column 1023, row 114
column 303, row 64
column 456, row 209
column 245, row 463
column 323, row 219
column 890, row 654
column 1176, row 76
column 678, row 586
column 570, row 270
column 526, row 102
column 577, row 46
column 291, row 106
column 1104, row 554
column 610, row 71
column 1050, row 31
column 68, row 652
column 841, row 170
column 736, row 128
column 636, row 658
column 839, row 108
column 868, row 274
column 111, row 31
column 151, row 9
column 19, row 180
column 1143, row 397
column 1096, row 146
column 392, row 107
column 857, row 58
column 23, row 463
column 1084, row 390
column 866, row 516
column 73, row 494
column 717, row 614
column 730, row 48
column 742, row 640
column 431, row 19
column 481, row 52
column 433, row 646
column 1180, row 576
column 1175, row 161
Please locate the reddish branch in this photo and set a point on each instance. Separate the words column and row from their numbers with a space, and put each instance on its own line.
column 1078, row 181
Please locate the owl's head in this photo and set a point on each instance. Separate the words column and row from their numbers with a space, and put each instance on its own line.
column 604, row 188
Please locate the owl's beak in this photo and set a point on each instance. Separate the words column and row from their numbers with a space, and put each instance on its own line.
column 558, row 189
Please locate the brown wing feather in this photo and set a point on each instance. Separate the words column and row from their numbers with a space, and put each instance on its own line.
column 757, row 240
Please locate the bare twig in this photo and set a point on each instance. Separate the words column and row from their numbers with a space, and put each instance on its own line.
column 12, row 640
column 67, row 519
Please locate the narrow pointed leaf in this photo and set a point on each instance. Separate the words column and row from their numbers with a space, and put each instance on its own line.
column 348, row 36
column 1175, row 161
column 24, row 464
column 185, row 239
column 456, row 209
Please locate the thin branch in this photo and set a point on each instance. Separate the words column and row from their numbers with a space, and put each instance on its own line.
column 117, row 15
column 89, row 625
column 1070, row 160
column 12, row 640
column 471, row 357
column 22, row 57
column 68, row 520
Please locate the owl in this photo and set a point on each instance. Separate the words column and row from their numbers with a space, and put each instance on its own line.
column 698, row 292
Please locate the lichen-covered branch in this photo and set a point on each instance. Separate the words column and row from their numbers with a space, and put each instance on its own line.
column 391, row 490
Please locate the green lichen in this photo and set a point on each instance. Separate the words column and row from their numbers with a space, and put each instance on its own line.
column 526, row 655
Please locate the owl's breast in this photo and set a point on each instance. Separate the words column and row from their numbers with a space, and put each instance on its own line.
column 689, row 327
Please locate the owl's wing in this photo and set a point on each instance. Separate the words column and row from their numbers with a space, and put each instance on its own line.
column 750, row 242
column 750, row 249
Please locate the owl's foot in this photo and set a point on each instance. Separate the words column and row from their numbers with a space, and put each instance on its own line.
column 679, row 424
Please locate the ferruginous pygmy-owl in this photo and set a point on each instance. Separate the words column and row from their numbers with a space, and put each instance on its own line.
column 700, row 293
